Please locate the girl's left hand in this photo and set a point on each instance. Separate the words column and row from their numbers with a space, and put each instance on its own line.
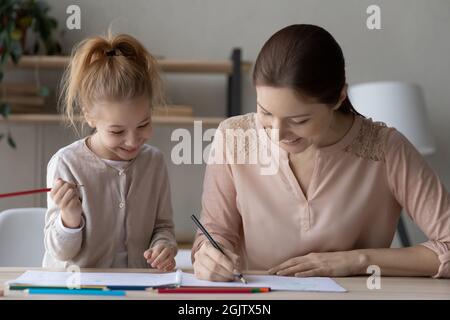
column 325, row 264
column 161, row 256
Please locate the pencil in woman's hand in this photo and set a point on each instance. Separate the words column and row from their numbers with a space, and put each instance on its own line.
column 214, row 243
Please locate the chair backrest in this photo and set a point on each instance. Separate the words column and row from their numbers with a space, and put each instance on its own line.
column 400, row 105
column 22, row 237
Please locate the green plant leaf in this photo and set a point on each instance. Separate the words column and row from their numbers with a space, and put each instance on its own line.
column 3, row 57
column 53, row 23
column 16, row 52
column 3, row 35
column 5, row 109
column 11, row 141
column 10, row 26
column 6, row 44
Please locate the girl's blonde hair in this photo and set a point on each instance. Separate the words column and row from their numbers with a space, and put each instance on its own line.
column 111, row 68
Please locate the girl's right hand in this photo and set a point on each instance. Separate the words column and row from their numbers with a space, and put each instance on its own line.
column 66, row 197
column 210, row 264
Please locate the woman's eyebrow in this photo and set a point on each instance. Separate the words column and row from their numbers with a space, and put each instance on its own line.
column 300, row 115
column 296, row 116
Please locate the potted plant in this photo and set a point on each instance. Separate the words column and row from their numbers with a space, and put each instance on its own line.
column 20, row 19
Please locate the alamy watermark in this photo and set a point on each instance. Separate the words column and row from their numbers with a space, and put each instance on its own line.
column 374, row 281
column 373, row 21
column 229, row 146
column 74, row 280
column 73, row 21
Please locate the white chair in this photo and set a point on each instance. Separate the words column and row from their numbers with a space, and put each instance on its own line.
column 22, row 237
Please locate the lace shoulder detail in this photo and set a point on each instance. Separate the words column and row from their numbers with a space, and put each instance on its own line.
column 369, row 143
column 240, row 137
column 244, row 122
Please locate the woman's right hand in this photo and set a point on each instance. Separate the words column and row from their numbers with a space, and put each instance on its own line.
column 210, row 264
column 66, row 197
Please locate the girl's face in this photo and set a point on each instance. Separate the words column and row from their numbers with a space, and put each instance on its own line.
column 301, row 121
column 122, row 128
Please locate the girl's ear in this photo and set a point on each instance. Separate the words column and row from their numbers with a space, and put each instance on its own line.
column 342, row 97
column 87, row 116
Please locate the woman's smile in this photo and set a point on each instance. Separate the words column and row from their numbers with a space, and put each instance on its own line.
column 291, row 141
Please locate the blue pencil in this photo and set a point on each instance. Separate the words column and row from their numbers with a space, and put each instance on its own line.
column 116, row 293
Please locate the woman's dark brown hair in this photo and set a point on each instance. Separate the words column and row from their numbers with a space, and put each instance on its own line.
column 305, row 58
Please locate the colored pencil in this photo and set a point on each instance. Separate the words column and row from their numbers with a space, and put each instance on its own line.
column 213, row 290
column 88, row 292
column 25, row 287
column 26, row 192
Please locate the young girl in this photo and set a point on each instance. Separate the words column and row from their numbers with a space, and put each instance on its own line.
column 332, row 207
column 110, row 203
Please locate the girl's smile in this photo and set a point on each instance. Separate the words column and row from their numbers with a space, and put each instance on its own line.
column 121, row 128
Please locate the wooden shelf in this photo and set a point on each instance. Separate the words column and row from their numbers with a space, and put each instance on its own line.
column 167, row 65
column 162, row 120
column 233, row 69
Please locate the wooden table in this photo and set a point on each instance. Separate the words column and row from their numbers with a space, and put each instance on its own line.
column 391, row 288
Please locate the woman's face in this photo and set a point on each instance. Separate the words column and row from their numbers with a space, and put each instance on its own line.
column 301, row 121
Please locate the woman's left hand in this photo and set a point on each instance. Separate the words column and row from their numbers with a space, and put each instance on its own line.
column 325, row 264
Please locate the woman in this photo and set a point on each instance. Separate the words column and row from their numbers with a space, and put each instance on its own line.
column 332, row 207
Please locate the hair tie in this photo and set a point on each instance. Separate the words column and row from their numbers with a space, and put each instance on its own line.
column 111, row 53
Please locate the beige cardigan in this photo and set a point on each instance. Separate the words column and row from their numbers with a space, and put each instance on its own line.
column 138, row 195
column 357, row 190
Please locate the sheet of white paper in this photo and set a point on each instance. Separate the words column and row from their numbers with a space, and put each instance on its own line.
column 319, row 284
column 64, row 279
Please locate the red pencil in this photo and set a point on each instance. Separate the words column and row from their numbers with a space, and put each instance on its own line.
column 213, row 290
column 23, row 193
